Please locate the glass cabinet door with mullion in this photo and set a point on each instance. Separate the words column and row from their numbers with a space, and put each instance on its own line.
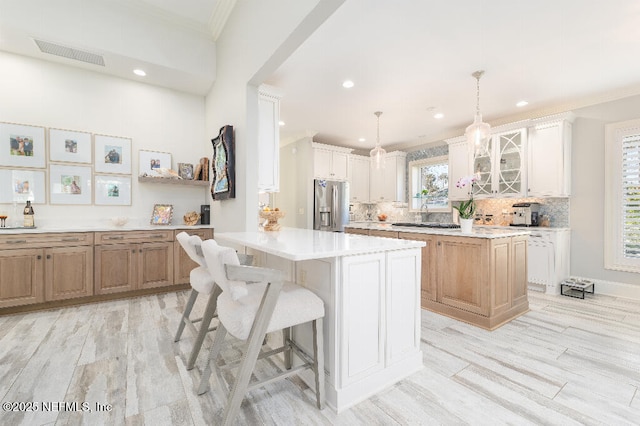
column 483, row 169
column 509, row 162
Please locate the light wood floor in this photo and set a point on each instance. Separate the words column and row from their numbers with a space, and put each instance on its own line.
column 565, row 362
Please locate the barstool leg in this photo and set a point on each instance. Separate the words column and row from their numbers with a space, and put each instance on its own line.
column 221, row 333
column 318, row 361
column 185, row 315
column 209, row 312
column 286, row 337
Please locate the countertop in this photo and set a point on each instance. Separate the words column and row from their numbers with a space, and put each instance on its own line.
column 479, row 231
column 305, row 244
column 96, row 228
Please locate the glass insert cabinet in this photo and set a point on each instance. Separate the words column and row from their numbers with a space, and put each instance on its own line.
column 500, row 169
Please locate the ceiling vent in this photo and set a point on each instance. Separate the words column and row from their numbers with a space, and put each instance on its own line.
column 69, row 52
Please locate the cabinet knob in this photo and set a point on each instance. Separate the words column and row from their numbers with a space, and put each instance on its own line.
column 133, row 251
column 48, row 256
column 39, row 257
column 439, row 243
column 140, row 251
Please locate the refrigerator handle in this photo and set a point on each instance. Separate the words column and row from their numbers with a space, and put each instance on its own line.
column 334, row 205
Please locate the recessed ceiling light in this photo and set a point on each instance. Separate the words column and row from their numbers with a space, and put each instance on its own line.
column 281, row 123
column 139, row 72
column 522, row 103
column 347, row 84
column 362, row 140
column 438, row 116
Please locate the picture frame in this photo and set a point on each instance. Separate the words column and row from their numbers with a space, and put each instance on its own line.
column 151, row 160
column 20, row 186
column 112, row 190
column 162, row 214
column 70, row 146
column 22, row 145
column 185, row 171
column 112, row 154
column 69, row 184
column 223, row 185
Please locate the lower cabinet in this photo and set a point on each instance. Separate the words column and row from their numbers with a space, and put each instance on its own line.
column 358, row 231
column 428, row 287
column 182, row 263
column 133, row 260
column 36, row 268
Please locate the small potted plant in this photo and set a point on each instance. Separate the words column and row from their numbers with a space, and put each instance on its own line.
column 467, row 208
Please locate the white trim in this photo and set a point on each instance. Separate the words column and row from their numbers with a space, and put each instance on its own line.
column 614, row 134
column 614, row 289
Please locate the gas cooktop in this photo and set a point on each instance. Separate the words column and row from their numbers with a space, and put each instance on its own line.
column 429, row 225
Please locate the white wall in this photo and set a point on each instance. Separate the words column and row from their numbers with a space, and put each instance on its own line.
column 45, row 94
column 258, row 36
column 587, row 200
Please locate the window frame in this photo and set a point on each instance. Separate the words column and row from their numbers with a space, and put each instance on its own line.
column 413, row 171
column 614, row 258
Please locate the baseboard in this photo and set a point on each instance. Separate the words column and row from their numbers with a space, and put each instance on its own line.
column 615, row 289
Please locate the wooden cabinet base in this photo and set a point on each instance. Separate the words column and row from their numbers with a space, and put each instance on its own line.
column 489, row 323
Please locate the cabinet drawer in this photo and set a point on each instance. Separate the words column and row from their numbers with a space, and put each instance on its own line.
column 133, row 236
column 46, row 240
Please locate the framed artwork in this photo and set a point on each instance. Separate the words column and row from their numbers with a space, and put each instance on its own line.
column 162, row 214
column 17, row 185
column 69, row 146
column 69, row 184
column 22, row 146
column 112, row 154
column 185, row 171
column 223, row 185
column 150, row 161
column 112, row 190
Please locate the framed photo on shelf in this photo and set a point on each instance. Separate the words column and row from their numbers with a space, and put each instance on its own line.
column 112, row 154
column 112, row 190
column 162, row 214
column 17, row 185
column 22, row 146
column 185, row 171
column 69, row 146
column 69, row 184
column 150, row 161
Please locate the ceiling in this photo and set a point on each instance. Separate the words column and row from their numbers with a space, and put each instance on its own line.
column 409, row 59
column 412, row 59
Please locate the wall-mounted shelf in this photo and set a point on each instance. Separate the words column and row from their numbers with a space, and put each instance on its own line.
column 173, row 181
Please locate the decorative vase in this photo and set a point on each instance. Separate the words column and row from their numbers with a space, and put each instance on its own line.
column 466, row 225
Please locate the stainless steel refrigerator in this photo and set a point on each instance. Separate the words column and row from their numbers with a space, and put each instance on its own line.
column 330, row 205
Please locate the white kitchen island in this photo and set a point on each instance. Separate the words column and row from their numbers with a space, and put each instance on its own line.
column 371, row 290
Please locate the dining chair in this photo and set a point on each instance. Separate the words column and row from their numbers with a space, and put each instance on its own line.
column 256, row 301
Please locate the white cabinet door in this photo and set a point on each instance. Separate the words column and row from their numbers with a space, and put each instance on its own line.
column 268, row 141
column 339, row 165
column 502, row 171
column 359, row 178
column 322, row 164
column 403, row 304
column 362, row 312
column 549, row 160
column 458, row 167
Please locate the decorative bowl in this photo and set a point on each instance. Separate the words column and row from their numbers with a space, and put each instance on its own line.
column 272, row 217
column 191, row 218
column 382, row 217
column 119, row 220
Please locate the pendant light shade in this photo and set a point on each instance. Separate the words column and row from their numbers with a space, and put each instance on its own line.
column 478, row 132
column 378, row 153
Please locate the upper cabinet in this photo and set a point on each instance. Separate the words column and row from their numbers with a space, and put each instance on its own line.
column 359, row 178
column 459, row 166
column 388, row 183
column 501, row 171
column 268, row 139
column 330, row 162
column 549, row 157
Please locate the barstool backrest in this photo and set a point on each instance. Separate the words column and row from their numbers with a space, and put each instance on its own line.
column 217, row 257
column 192, row 246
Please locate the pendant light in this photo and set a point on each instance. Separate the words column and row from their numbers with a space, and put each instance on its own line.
column 478, row 132
column 378, row 153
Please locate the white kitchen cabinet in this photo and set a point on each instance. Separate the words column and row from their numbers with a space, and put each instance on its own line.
column 388, row 183
column 549, row 157
column 502, row 170
column 459, row 166
column 548, row 258
column 330, row 162
column 359, row 178
column 268, row 139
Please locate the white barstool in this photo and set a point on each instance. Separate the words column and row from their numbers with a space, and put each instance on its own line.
column 201, row 283
column 249, row 312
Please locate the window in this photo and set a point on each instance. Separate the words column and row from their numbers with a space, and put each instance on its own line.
column 429, row 185
column 622, row 196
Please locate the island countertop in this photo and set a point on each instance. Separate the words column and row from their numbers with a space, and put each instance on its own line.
column 477, row 232
column 305, row 244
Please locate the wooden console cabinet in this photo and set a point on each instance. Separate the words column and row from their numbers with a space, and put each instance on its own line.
column 182, row 263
